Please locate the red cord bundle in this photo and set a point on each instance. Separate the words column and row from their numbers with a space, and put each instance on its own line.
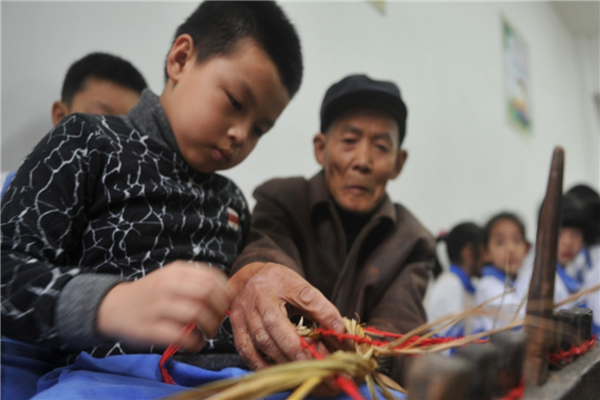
column 568, row 355
column 349, row 387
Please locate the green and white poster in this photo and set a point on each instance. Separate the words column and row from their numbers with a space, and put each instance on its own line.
column 518, row 81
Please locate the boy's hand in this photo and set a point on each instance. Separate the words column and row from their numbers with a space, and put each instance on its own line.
column 154, row 309
column 259, row 313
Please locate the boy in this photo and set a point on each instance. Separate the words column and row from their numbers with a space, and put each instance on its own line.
column 109, row 242
column 98, row 83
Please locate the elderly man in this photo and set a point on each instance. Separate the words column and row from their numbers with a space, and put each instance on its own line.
column 338, row 232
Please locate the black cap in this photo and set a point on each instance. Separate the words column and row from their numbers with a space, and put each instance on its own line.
column 356, row 90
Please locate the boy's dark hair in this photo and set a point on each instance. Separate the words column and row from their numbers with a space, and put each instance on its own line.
column 102, row 66
column 461, row 235
column 217, row 26
column 499, row 217
column 590, row 200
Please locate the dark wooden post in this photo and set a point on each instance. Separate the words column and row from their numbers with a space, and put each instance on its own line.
column 539, row 320
column 510, row 363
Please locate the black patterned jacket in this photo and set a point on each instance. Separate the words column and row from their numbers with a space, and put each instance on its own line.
column 100, row 200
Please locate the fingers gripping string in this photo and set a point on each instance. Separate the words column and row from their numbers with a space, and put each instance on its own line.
column 172, row 349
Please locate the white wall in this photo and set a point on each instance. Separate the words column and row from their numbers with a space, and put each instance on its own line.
column 465, row 162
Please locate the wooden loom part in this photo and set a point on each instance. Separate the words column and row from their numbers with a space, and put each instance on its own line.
column 539, row 322
column 436, row 377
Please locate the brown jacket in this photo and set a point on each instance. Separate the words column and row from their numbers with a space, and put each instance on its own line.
column 382, row 278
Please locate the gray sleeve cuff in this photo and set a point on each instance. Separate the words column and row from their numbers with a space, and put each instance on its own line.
column 77, row 308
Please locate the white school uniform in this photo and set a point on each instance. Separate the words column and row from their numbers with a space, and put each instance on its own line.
column 452, row 292
column 592, row 278
column 564, row 284
column 524, row 274
column 580, row 265
column 501, row 311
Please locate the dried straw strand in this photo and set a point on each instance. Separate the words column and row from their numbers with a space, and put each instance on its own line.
column 577, row 295
column 468, row 313
column 304, row 389
column 458, row 342
column 384, row 389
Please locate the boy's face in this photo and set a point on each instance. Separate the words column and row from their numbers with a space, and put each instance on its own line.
column 360, row 154
column 218, row 109
column 98, row 96
column 570, row 243
column 506, row 247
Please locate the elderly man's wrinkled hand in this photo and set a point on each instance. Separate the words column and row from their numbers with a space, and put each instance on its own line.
column 268, row 294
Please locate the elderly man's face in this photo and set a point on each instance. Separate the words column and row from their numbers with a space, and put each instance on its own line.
column 359, row 153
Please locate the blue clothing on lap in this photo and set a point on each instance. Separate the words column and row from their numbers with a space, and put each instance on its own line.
column 22, row 365
column 134, row 376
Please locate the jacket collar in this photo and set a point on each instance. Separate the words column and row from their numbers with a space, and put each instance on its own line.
column 149, row 117
column 320, row 198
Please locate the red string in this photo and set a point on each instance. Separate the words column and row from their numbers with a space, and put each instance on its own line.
column 347, row 385
column 311, row 348
column 411, row 340
column 382, row 333
column 568, row 355
column 516, row 393
column 169, row 352
column 355, row 338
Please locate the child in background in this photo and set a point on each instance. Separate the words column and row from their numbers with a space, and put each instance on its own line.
column 575, row 232
column 589, row 258
column 98, row 83
column 592, row 279
column 505, row 249
column 584, row 262
column 453, row 291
